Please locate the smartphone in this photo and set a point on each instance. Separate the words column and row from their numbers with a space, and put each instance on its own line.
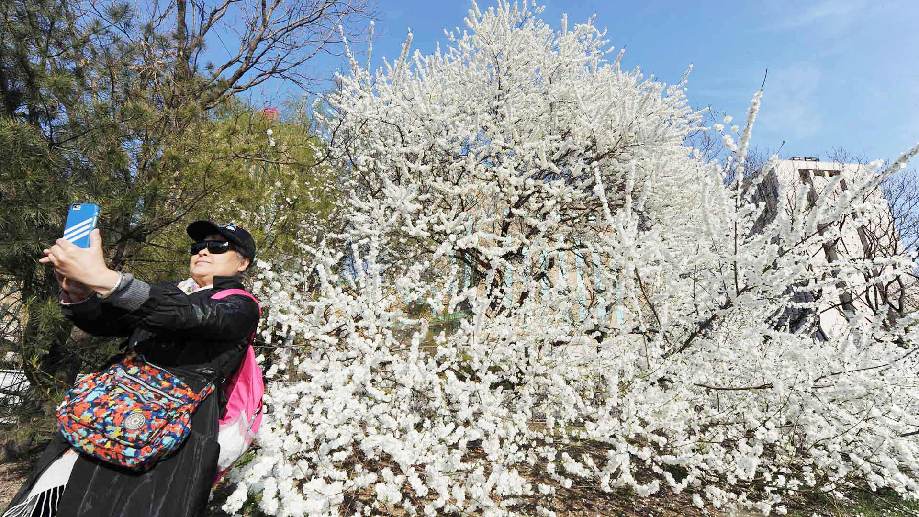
column 81, row 220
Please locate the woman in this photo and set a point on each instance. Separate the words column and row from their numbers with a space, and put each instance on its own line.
column 175, row 325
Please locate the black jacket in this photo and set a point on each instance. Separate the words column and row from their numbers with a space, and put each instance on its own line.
column 198, row 339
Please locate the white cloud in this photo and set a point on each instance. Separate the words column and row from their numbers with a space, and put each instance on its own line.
column 827, row 16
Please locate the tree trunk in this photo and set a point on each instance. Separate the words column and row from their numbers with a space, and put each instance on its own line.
column 183, row 72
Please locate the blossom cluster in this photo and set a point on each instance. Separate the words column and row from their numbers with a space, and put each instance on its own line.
column 541, row 285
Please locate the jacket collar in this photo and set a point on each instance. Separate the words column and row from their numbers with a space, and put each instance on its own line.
column 227, row 282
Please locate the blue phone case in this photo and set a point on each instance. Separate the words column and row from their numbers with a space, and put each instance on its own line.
column 81, row 220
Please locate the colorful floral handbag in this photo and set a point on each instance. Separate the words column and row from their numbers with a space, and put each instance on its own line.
column 131, row 414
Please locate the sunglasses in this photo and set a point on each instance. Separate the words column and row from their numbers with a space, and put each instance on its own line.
column 214, row 247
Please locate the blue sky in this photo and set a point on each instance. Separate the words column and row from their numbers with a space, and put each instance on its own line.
column 842, row 73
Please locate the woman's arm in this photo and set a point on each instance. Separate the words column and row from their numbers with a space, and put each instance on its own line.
column 165, row 308
column 84, row 308
column 97, row 318
column 130, row 303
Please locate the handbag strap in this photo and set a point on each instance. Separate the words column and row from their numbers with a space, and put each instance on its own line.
column 217, row 377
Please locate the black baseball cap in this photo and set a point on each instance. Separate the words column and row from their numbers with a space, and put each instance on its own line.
column 237, row 235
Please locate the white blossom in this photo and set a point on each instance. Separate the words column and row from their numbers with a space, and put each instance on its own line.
column 534, row 262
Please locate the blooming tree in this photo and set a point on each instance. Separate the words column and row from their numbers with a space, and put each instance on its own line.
column 542, row 285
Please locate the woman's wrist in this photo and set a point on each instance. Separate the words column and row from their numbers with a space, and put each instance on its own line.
column 105, row 282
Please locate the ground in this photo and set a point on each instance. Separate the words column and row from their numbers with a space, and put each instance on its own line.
column 577, row 503
column 12, row 475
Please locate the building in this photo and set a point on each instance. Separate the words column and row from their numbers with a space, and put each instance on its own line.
column 866, row 231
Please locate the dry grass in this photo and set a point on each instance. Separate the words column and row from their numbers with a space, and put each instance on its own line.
column 12, row 475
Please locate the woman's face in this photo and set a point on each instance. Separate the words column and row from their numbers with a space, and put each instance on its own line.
column 204, row 266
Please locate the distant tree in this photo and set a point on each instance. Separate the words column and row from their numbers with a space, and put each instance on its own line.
column 246, row 167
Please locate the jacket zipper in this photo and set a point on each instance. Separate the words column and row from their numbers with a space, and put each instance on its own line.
column 151, row 388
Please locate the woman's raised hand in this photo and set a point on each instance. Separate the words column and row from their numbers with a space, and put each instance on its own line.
column 81, row 267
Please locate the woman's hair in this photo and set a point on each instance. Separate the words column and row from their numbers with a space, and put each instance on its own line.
column 236, row 250
column 244, row 276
